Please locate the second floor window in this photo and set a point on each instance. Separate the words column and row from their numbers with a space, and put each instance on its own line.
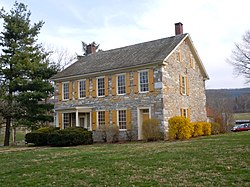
column 143, row 77
column 65, row 90
column 82, row 88
column 101, row 86
column 121, row 84
column 184, row 88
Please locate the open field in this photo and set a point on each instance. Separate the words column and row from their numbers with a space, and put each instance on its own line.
column 221, row 160
column 242, row 116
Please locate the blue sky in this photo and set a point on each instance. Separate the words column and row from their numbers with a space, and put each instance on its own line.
column 214, row 26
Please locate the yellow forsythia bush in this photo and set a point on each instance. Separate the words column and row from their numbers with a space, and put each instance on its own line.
column 179, row 128
column 197, row 129
column 206, row 127
column 215, row 128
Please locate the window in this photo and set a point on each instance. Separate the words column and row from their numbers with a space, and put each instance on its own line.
column 179, row 56
column 183, row 85
column 185, row 112
column 143, row 81
column 65, row 90
column 82, row 88
column 66, row 120
column 122, row 119
column 101, row 86
column 101, row 119
column 192, row 62
column 121, row 84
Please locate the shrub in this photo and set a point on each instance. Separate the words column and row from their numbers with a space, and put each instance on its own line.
column 39, row 137
column 215, row 128
column 70, row 137
column 151, row 130
column 179, row 128
column 206, row 127
column 112, row 134
column 197, row 129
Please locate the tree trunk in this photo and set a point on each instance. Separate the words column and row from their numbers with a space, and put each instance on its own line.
column 7, row 132
column 14, row 135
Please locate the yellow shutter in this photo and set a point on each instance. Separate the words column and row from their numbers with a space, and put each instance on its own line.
column 188, row 111
column 113, row 84
column 107, row 121
column 93, row 120
column 182, row 112
column 187, row 86
column 76, row 89
column 60, row 120
column 94, row 87
column 151, row 80
column 128, row 120
column 127, row 83
column 60, row 91
column 70, row 90
column 181, row 85
column 87, row 87
column 136, row 82
column 180, row 56
column 106, row 85
column 114, row 117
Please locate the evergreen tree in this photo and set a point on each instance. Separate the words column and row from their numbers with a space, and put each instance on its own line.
column 24, row 72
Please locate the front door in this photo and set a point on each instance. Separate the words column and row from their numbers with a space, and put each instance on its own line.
column 82, row 124
column 143, row 116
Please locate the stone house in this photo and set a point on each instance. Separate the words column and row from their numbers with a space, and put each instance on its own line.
column 123, row 87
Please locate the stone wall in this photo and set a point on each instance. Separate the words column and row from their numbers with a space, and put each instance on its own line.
column 173, row 100
column 130, row 101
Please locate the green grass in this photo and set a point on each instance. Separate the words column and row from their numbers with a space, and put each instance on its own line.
column 221, row 160
column 242, row 116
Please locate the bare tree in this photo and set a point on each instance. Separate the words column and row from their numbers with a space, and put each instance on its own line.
column 61, row 57
column 240, row 58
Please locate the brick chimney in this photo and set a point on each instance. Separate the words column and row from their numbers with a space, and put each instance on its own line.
column 178, row 28
column 91, row 49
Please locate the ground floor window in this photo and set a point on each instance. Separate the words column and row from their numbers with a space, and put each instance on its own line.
column 101, row 119
column 66, row 118
column 122, row 119
column 185, row 112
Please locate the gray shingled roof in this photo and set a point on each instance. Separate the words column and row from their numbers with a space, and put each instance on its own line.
column 129, row 56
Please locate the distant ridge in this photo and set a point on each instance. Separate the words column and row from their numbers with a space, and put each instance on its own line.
column 231, row 92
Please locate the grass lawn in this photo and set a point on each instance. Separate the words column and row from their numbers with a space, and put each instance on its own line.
column 222, row 160
column 242, row 116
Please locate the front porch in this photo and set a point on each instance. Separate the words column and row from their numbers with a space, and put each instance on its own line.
column 74, row 117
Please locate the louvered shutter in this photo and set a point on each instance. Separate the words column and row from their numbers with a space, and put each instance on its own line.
column 94, row 87
column 87, row 87
column 76, row 89
column 60, row 91
column 136, row 82
column 128, row 119
column 127, row 83
column 93, row 120
column 151, row 80
column 107, row 121
column 106, row 85
column 113, row 84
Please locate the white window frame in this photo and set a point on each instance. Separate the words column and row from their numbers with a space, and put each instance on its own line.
column 139, row 81
column 118, row 120
column 117, row 84
column 79, row 88
column 98, row 124
column 63, row 91
column 97, row 88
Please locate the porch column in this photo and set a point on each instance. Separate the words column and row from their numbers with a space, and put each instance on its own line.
column 77, row 119
column 56, row 120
